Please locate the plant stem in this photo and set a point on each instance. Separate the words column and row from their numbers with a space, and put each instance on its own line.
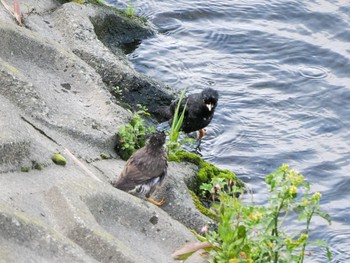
column 302, row 253
column 275, row 230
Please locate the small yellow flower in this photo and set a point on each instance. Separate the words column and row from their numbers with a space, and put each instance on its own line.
column 305, row 202
column 292, row 189
column 284, row 167
column 288, row 241
column 294, row 177
column 234, row 260
column 316, row 197
column 303, row 238
column 299, row 179
column 256, row 216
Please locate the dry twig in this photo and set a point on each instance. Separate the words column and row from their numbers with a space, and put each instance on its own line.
column 15, row 11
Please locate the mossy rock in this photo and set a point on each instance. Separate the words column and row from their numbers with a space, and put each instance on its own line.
column 206, row 170
column 183, row 156
column 58, row 159
column 201, row 208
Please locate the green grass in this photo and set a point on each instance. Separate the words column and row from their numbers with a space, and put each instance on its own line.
column 173, row 143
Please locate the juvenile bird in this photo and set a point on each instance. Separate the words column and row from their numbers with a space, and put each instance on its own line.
column 198, row 114
column 145, row 169
column 199, row 110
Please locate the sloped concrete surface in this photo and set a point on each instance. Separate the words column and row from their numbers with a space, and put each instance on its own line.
column 57, row 74
column 61, row 213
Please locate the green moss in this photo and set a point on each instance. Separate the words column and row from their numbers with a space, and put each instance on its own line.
column 95, row 2
column 205, row 211
column 78, row 1
column 11, row 68
column 37, row 166
column 206, row 170
column 25, row 169
column 58, row 159
column 183, row 156
column 105, row 156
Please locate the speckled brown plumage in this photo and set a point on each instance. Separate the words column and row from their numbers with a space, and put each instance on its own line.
column 146, row 168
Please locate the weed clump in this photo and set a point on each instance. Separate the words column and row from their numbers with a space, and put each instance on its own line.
column 247, row 232
column 132, row 136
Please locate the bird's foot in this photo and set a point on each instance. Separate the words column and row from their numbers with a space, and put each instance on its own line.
column 198, row 152
column 160, row 203
column 198, row 147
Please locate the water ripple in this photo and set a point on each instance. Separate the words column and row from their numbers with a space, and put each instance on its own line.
column 313, row 72
column 282, row 71
column 339, row 245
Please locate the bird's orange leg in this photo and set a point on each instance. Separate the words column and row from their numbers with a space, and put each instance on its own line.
column 160, row 203
column 201, row 133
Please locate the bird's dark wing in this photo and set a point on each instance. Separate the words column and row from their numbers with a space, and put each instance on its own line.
column 194, row 105
column 139, row 169
column 173, row 106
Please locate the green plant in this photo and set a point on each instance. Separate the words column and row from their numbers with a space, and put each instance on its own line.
column 256, row 233
column 132, row 136
column 98, row 2
column 129, row 11
column 173, row 144
column 211, row 191
column 118, row 91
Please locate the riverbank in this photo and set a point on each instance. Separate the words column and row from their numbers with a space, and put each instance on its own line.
column 57, row 76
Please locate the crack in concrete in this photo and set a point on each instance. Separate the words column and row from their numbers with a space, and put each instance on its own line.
column 40, row 131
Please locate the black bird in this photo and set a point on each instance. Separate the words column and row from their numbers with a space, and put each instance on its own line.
column 199, row 110
column 146, row 168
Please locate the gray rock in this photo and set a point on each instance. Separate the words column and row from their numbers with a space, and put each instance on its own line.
column 24, row 239
column 178, row 201
column 56, row 78
column 179, row 204
column 102, row 51
column 56, row 92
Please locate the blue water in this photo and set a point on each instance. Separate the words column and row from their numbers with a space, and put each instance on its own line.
column 282, row 69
